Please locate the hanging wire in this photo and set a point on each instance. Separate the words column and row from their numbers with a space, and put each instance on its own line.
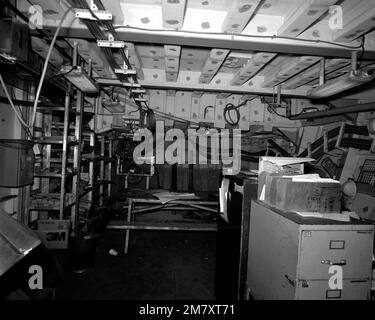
column 46, row 66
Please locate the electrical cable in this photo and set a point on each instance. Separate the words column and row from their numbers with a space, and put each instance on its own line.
column 19, row 116
column 230, row 107
column 28, row 132
column 205, row 111
column 46, row 66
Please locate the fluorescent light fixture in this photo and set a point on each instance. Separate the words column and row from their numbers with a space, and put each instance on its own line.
column 341, row 84
column 131, row 85
column 138, row 91
column 110, row 43
column 113, row 106
column 86, row 14
column 126, row 71
column 140, row 99
column 80, row 79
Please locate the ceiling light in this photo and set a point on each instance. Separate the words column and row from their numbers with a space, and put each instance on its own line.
column 80, row 79
column 341, row 84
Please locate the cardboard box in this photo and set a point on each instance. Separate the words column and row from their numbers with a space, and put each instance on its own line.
column 54, row 233
column 323, row 195
column 278, row 166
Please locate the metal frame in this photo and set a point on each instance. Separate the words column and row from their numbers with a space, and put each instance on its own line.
column 152, row 205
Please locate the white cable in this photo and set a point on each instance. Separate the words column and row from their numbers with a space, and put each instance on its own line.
column 46, row 66
column 19, row 117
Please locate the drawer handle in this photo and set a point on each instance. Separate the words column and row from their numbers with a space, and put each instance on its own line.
column 331, row 263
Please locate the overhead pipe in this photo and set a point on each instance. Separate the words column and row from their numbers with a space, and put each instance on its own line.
column 370, row 106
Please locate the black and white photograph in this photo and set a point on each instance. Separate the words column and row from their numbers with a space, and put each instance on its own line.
column 187, row 157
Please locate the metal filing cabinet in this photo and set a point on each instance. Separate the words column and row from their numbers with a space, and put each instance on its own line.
column 232, row 238
column 290, row 256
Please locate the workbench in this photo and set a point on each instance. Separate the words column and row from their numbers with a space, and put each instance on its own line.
column 151, row 203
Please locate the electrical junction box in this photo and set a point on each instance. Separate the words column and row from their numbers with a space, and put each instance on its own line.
column 16, row 163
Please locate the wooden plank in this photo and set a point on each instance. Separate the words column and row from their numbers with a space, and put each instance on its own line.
column 286, row 71
column 158, row 100
column 219, row 111
column 173, row 13
column 171, row 96
column 250, row 69
column 312, row 73
column 239, row 15
column 212, row 64
column 172, row 62
column 357, row 20
column 207, row 114
column 183, row 104
column 134, row 59
column 115, row 8
column 244, row 123
column 302, row 15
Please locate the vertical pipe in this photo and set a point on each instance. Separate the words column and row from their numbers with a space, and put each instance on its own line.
column 64, row 159
column 102, row 164
column 354, row 61
column 322, row 71
column 77, row 158
column 279, row 94
column 75, row 54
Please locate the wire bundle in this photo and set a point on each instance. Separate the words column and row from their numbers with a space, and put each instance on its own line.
column 231, row 107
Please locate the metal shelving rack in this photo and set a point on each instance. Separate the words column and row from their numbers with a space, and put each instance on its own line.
column 58, row 178
column 106, row 161
column 50, row 169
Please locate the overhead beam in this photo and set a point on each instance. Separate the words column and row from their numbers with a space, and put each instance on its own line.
column 202, row 87
column 230, row 42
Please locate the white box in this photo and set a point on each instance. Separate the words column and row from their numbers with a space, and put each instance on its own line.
column 54, row 233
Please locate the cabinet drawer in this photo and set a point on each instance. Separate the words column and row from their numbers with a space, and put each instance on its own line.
column 321, row 249
column 319, row 290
